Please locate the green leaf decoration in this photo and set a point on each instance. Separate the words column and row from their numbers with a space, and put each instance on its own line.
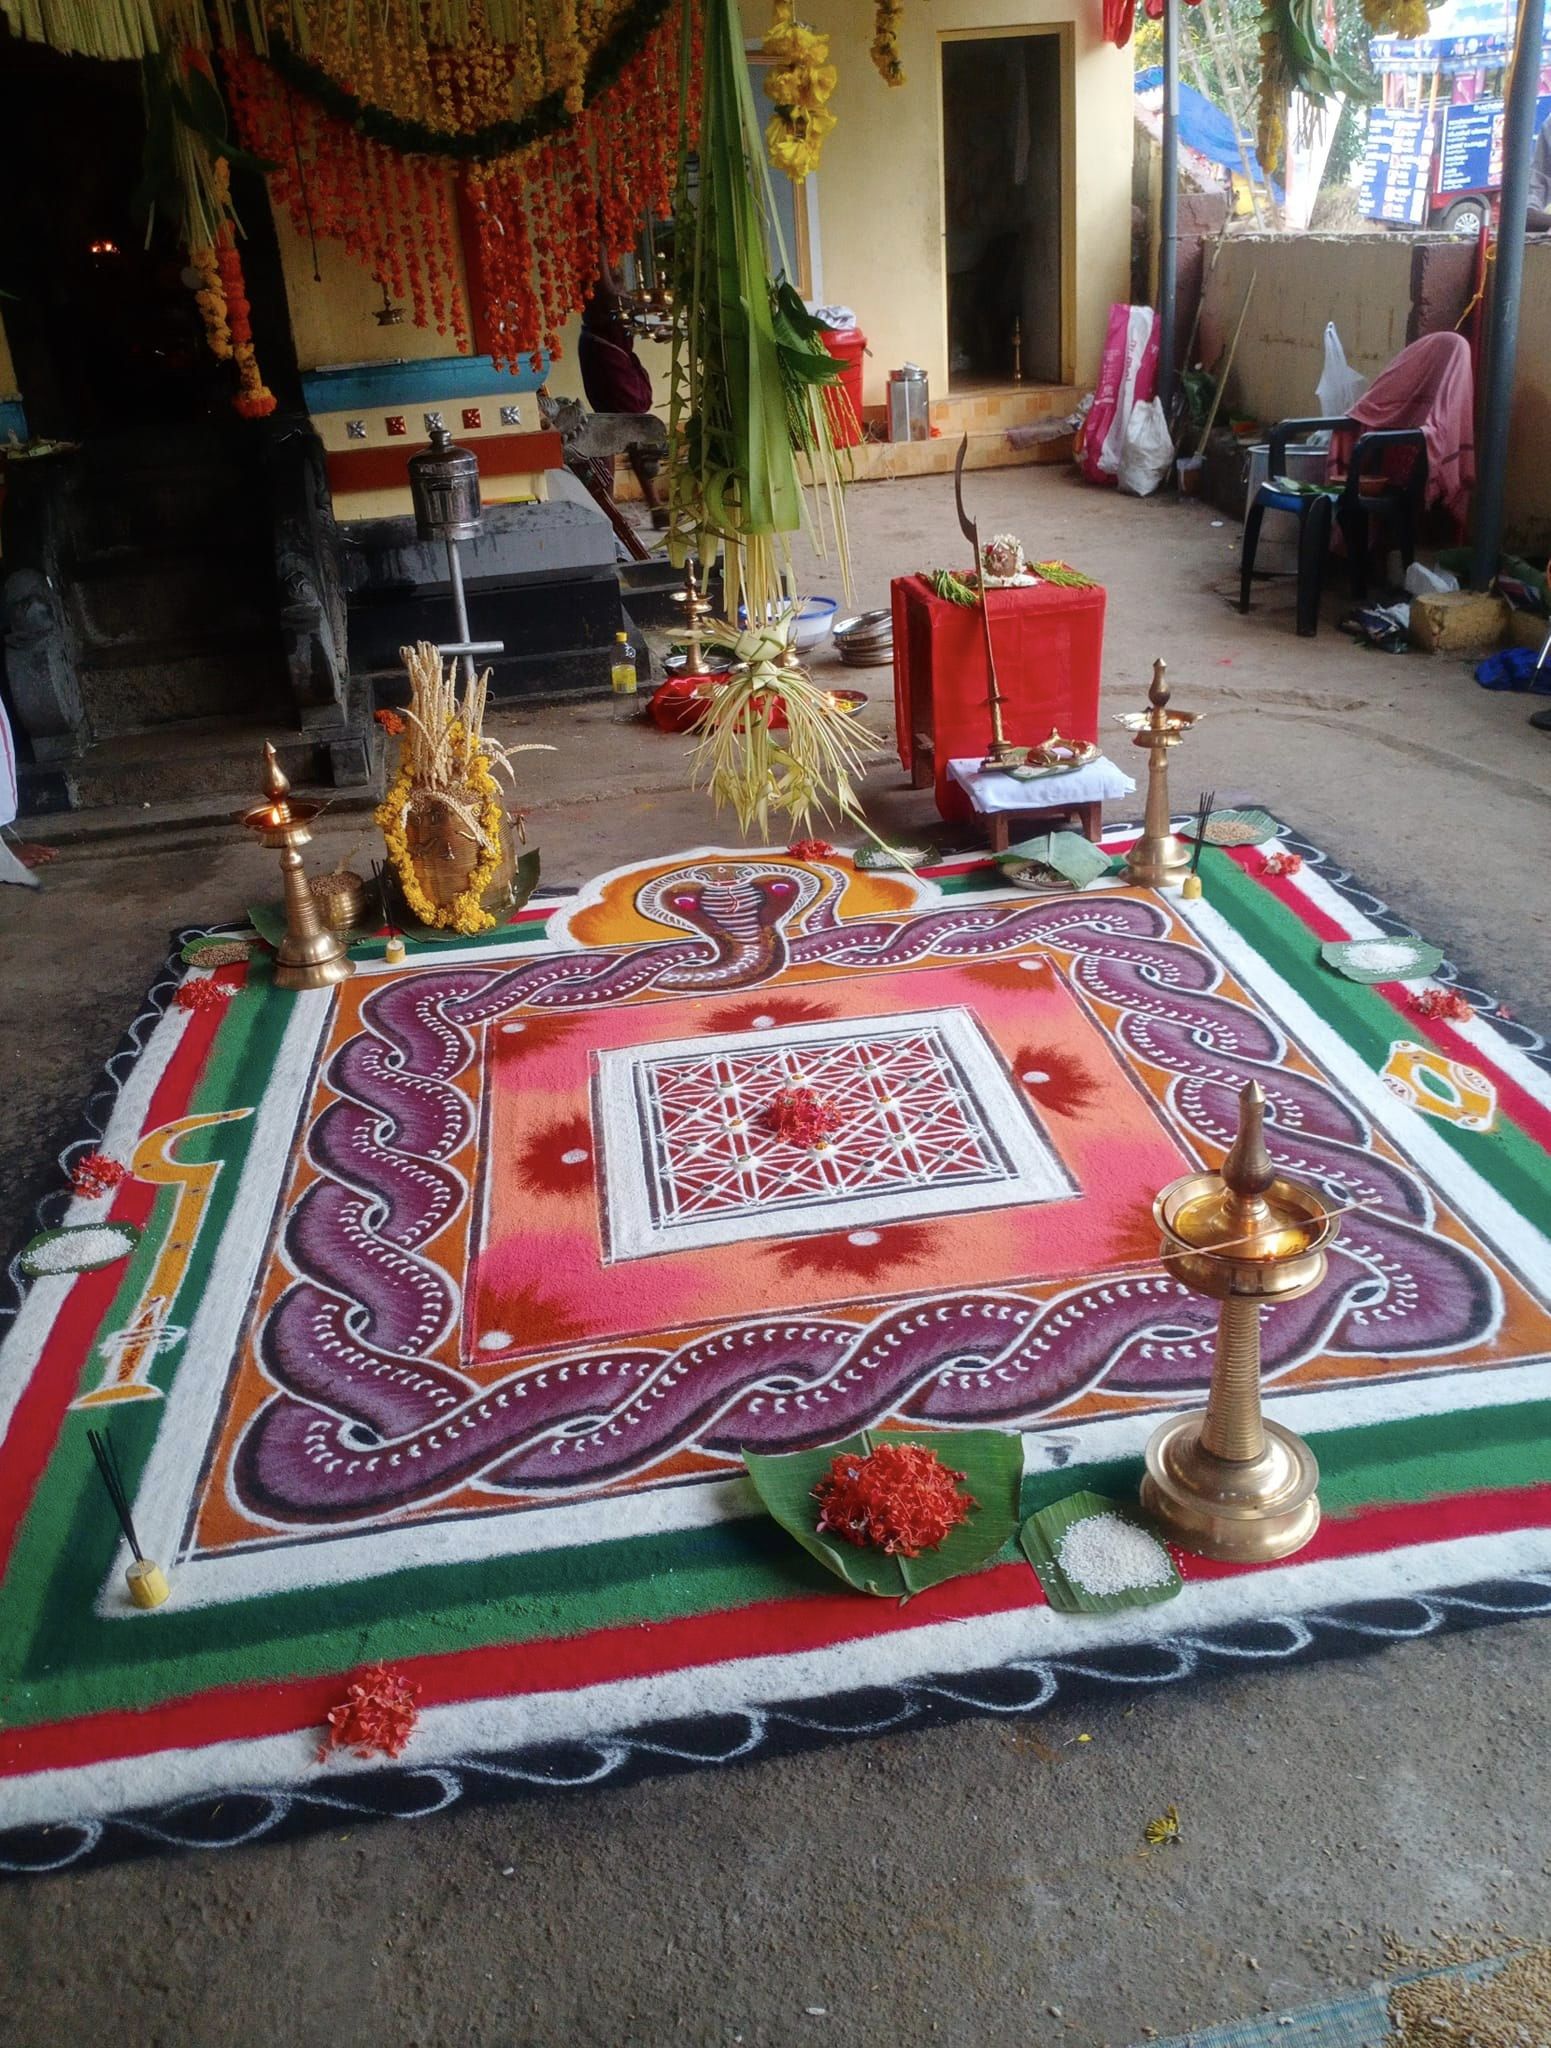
column 77, row 1248
column 1235, row 828
column 992, row 1464
column 1070, row 858
column 1381, row 959
column 1043, row 1535
column 890, row 859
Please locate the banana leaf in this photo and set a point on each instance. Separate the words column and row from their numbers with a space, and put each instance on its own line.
column 1044, row 1533
column 992, row 1464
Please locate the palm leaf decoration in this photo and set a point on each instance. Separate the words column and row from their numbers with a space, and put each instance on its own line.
column 749, row 366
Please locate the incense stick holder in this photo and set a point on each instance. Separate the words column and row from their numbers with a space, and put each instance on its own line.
column 147, row 1583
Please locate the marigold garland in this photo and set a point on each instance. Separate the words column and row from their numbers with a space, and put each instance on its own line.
column 899, row 1498
column 887, row 16
column 595, row 152
column 799, row 84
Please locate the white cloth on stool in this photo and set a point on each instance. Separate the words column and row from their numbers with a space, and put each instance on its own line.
column 988, row 789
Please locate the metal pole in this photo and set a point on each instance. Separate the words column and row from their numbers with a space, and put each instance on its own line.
column 1502, row 340
column 1168, row 203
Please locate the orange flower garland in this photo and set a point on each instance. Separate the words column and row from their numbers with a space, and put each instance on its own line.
column 535, row 220
column 222, row 299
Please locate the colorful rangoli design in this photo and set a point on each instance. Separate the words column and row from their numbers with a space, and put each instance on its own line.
column 460, row 1290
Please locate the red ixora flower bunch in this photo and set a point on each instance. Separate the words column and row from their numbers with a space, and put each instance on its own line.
column 811, row 849
column 200, row 994
column 900, row 1498
column 390, row 721
column 1442, row 1002
column 1279, row 864
column 801, row 1116
column 95, row 1174
column 376, row 1717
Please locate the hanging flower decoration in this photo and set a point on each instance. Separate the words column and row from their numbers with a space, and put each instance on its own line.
column 1297, row 55
column 799, row 84
column 382, row 144
column 887, row 16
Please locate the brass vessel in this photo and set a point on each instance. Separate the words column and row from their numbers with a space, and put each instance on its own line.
column 1159, row 859
column 1224, row 1481
column 310, row 956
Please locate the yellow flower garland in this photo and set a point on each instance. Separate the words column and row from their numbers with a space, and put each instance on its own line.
column 885, row 41
column 798, row 84
column 466, row 912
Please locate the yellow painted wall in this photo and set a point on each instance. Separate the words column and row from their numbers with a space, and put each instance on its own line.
column 1363, row 283
column 880, row 181
column 332, row 320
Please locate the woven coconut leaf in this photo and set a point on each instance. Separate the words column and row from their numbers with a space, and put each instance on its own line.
column 992, row 1464
column 1382, row 959
column 1042, row 1537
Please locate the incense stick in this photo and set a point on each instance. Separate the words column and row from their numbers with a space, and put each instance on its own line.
column 113, row 1479
column 1203, row 818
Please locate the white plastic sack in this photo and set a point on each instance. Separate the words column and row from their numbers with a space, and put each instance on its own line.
column 1340, row 386
column 1147, row 451
column 1136, row 368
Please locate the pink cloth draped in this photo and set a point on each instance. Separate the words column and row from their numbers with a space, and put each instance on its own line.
column 1429, row 385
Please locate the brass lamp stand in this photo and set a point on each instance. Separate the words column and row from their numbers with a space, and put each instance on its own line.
column 1225, row 1482
column 310, row 955
column 697, row 609
column 1158, row 859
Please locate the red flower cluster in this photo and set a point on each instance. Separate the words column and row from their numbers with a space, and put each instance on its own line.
column 811, row 849
column 390, row 721
column 202, row 995
column 1277, row 864
column 96, row 1174
column 801, row 1116
column 376, row 1717
column 1442, row 1002
column 900, row 1498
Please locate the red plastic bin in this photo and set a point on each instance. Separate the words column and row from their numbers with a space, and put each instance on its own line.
column 844, row 402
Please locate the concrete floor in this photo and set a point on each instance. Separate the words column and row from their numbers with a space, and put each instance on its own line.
column 970, row 1885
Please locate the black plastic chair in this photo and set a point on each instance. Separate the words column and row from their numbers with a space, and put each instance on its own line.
column 1396, row 505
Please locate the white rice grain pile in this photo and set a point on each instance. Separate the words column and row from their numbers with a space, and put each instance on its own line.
column 75, row 1251
column 1108, row 1554
column 1370, row 955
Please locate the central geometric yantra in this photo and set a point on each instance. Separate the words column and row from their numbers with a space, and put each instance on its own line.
column 930, row 1123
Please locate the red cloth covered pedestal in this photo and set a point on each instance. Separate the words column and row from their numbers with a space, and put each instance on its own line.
column 1049, row 641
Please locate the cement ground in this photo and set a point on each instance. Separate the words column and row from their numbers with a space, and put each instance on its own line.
column 968, row 1886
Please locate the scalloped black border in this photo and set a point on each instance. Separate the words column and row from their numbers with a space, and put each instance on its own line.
column 233, row 1819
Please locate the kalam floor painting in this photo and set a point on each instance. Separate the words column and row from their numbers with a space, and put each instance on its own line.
column 444, row 1305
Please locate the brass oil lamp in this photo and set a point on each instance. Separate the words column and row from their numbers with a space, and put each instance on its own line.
column 1159, row 859
column 310, row 955
column 1225, row 1482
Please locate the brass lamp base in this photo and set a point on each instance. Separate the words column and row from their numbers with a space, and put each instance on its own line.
column 1239, row 1510
column 323, row 961
column 1161, row 863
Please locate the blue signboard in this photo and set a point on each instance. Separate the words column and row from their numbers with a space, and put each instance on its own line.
column 1470, row 150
